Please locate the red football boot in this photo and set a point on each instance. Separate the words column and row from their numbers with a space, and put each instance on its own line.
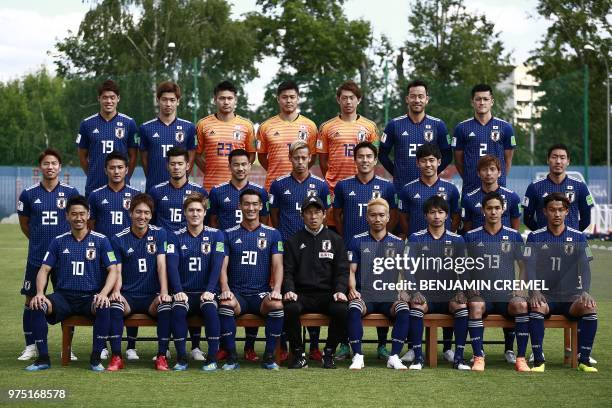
column 161, row 364
column 251, row 355
column 115, row 364
column 315, row 354
column 222, row 355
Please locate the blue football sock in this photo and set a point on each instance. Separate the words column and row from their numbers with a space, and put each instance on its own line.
column 416, row 333
column 196, row 334
column 132, row 334
column 587, row 336
column 274, row 329
column 313, row 335
column 250, row 334
column 354, row 326
column 476, row 329
column 460, row 327
column 101, row 329
column 509, row 335
column 228, row 328
column 579, row 336
column 213, row 328
column 447, row 338
column 400, row 328
column 164, row 315
column 116, row 327
column 179, row 328
column 521, row 328
column 40, row 330
column 536, row 331
column 27, row 325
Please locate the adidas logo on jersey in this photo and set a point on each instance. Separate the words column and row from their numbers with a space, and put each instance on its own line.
column 478, row 205
column 105, row 201
column 156, row 134
column 287, row 192
column 165, row 198
column 238, row 241
column 66, row 251
column 37, row 201
column 183, row 246
column 129, row 251
column 366, row 251
column 96, row 131
column 352, row 193
column 472, row 134
column 227, row 200
column 417, row 195
column 405, row 133
column 303, row 246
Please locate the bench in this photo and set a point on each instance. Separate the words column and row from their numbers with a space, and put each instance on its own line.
column 431, row 322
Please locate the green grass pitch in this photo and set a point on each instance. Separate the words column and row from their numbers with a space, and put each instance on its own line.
column 375, row 386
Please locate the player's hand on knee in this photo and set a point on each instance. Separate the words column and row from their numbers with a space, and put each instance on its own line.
column 180, row 297
column 207, row 296
column 403, row 296
column 37, row 302
column 586, row 300
column 353, row 294
column 226, row 295
column 115, row 296
column 537, row 300
column 290, row 297
column 459, row 298
column 101, row 300
column 164, row 298
column 275, row 295
column 340, row 297
column 418, row 299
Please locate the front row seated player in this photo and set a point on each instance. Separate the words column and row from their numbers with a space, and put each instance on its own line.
column 499, row 247
column 142, row 284
column 437, row 242
column 315, row 281
column 251, row 278
column 78, row 259
column 559, row 255
column 194, row 258
column 378, row 242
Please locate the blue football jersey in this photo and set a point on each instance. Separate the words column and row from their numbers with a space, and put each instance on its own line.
column 156, row 138
column 46, row 211
column 223, row 202
column 110, row 209
column 100, row 137
column 364, row 247
column 352, row 196
column 581, row 200
column 287, row 194
column 168, row 201
column 199, row 259
column 405, row 136
column 414, row 194
column 250, row 258
column 80, row 266
column 476, row 140
column 471, row 204
column 561, row 261
column 138, row 259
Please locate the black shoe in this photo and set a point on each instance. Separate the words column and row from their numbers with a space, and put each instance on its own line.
column 328, row 359
column 232, row 358
column 95, row 359
column 299, row 359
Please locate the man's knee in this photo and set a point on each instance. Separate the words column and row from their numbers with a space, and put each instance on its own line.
column 292, row 309
column 338, row 309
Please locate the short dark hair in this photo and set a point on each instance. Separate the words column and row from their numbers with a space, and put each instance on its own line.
column 250, row 191
column 491, row 195
column 350, row 86
column 435, row 201
column 49, row 152
column 365, row 145
column 482, row 88
column 77, row 200
column 177, row 151
column 168, row 87
column 558, row 146
column 236, row 153
column 428, row 149
column 416, row 83
column 110, row 86
column 224, row 86
column 557, row 197
column 142, row 198
column 286, row 86
column 115, row 155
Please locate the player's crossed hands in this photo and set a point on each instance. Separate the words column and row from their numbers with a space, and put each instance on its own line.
column 226, row 295
column 100, row 300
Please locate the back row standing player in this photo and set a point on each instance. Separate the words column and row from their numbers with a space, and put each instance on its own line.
column 103, row 133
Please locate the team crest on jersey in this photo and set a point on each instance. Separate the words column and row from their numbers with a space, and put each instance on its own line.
column 448, row 250
column 119, row 132
column 506, row 247
column 151, row 247
column 326, row 245
column 375, row 194
column 179, row 136
column 571, row 195
column 390, row 250
column 303, row 135
column 361, row 136
column 237, row 135
column 311, row 193
column 61, row 202
column 90, row 254
column 126, row 202
column 442, row 194
column 495, row 135
column 262, row 243
column 205, row 247
column 568, row 248
column 428, row 136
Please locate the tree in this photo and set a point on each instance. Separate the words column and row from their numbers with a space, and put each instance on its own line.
column 559, row 62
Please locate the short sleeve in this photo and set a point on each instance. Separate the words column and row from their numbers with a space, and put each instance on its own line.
column 514, row 204
column 265, row 210
column 133, row 141
column 191, row 141
column 262, row 142
column 277, row 243
column 322, row 141
column 51, row 256
column 144, row 140
column 386, row 139
column 274, row 194
column 212, row 201
column 82, row 139
column 458, row 141
column 353, row 251
column 443, row 137
column 162, row 245
column 93, row 211
column 23, row 205
column 312, row 139
column 509, row 138
column 200, row 134
column 454, row 201
column 250, row 142
column 116, row 246
column 339, row 196
column 108, row 254
column 390, row 196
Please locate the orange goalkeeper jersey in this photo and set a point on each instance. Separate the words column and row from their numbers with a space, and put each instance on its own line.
column 337, row 139
column 216, row 139
column 274, row 137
